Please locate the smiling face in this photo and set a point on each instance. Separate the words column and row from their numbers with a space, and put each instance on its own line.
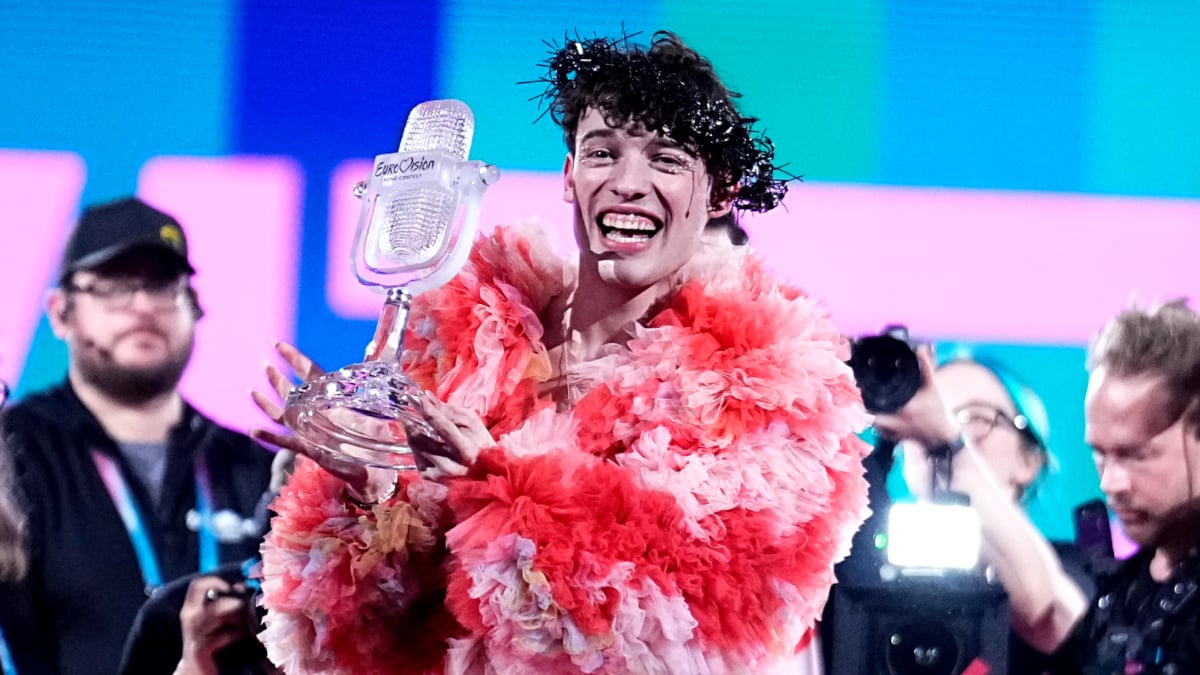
column 641, row 203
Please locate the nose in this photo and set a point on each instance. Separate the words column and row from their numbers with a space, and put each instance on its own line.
column 152, row 301
column 1114, row 478
column 142, row 300
column 631, row 177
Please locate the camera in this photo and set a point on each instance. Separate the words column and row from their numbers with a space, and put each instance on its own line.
column 886, row 369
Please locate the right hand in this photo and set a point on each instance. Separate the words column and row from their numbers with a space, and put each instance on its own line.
column 363, row 483
column 210, row 625
column 924, row 418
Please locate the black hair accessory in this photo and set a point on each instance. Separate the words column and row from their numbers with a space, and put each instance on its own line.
column 671, row 89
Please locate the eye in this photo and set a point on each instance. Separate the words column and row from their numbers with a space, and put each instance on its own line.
column 109, row 289
column 671, row 162
column 596, row 155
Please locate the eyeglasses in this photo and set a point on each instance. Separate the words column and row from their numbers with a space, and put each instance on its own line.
column 118, row 293
column 978, row 420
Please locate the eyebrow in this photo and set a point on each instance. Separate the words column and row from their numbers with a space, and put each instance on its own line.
column 671, row 144
column 659, row 140
column 977, row 403
column 597, row 133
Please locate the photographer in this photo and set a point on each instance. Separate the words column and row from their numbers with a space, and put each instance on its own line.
column 1045, row 602
column 1143, row 422
column 1007, row 425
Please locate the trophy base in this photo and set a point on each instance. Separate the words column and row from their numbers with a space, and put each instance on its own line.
column 364, row 413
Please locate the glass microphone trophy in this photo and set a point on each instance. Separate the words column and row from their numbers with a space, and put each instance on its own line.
column 420, row 209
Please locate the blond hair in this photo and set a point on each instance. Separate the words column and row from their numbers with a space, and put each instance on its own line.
column 1162, row 340
column 13, row 558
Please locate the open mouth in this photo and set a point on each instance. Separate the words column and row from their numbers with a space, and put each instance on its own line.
column 628, row 228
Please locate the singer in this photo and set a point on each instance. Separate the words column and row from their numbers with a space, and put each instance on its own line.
column 651, row 462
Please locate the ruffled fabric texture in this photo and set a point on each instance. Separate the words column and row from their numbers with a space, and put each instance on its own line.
column 684, row 517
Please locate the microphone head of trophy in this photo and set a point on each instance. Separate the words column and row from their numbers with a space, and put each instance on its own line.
column 420, row 210
column 418, row 201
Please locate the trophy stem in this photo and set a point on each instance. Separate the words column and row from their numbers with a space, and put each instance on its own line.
column 388, row 340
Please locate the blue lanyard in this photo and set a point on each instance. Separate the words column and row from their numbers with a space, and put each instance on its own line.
column 6, row 663
column 132, row 518
column 210, row 552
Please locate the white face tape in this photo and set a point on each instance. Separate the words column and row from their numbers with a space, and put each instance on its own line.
column 608, row 270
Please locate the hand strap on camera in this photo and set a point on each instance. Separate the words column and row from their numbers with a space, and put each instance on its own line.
column 941, row 459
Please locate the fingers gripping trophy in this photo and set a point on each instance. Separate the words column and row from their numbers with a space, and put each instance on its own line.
column 420, row 210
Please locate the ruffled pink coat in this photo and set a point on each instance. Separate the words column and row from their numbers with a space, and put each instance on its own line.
column 683, row 517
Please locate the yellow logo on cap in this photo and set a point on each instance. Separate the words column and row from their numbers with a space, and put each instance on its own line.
column 171, row 235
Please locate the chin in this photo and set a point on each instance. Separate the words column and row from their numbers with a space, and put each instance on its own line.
column 626, row 276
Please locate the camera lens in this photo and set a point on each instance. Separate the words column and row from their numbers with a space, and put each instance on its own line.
column 887, row 371
column 922, row 649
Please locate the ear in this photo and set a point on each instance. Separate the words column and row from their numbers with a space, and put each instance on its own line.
column 720, row 201
column 56, row 311
column 719, row 209
column 569, row 179
column 194, row 300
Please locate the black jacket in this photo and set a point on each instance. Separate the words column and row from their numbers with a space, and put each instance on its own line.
column 75, row 608
column 1134, row 618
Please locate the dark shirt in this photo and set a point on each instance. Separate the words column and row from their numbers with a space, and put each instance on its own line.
column 1135, row 624
column 85, row 585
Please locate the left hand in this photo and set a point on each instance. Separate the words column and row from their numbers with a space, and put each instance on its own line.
column 465, row 436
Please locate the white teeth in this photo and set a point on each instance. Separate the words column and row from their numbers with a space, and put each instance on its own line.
column 626, row 238
column 628, row 221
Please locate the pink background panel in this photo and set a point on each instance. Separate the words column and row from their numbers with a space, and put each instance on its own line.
column 972, row 264
column 990, row 265
column 242, row 218
column 32, row 236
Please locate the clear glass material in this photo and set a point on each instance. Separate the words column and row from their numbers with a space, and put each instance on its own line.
column 367, row 412
column 419, row 217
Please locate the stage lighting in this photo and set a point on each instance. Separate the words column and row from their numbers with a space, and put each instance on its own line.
column 932, row 537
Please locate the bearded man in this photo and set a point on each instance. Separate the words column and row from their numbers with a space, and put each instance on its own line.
column 125, row 485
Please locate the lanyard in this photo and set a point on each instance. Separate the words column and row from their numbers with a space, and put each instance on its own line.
column 134, row 523
column 6, row 663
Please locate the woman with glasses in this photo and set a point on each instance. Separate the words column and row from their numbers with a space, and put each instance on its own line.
column 1004, row 418
column 1005, row 424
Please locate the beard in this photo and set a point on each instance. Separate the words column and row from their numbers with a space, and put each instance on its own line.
column 132, row 384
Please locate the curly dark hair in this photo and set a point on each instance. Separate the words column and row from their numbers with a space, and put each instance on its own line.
column 671, row 89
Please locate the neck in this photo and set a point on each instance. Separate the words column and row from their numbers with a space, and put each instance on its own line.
column 1176, row 544
column 602, row 313
column 148, row 421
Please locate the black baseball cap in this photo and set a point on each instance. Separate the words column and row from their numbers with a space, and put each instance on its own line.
column 105, row 231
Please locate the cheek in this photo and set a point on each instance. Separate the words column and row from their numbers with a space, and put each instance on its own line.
column 186, row 325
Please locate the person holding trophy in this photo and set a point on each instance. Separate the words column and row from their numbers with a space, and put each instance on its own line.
column 642, row 461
